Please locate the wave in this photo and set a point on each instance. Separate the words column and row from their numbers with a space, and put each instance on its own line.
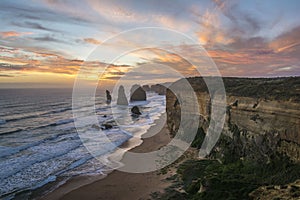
column 17, row 164
column 21, row 118
column 58, row 110
column 12, row 131
column 64, row 156
column 57, row 123
column 39, row 114
column 64, row 121
column 2, row 121
column 8, row 151
column 16, row 191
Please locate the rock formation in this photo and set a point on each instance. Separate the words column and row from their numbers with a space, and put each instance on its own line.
column 159, row 89
column 108, row 97
column 122, row 100
column 137, row 93
column 258, row 153
column 106, row 126
column 135, row 110
column 262, row 115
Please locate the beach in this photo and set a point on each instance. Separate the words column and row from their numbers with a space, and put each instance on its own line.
column 117, row 184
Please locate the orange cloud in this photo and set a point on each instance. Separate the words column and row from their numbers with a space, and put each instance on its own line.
column 288, row 47
column 288, row 41
column 7, row 34
column 248, row 57
column 28, row 62
column 173, row 60
column 92, row 41
column 112, row 12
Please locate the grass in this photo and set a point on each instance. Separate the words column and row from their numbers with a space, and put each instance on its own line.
column 234, row 180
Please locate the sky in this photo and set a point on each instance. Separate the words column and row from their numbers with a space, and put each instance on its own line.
column 50, row 43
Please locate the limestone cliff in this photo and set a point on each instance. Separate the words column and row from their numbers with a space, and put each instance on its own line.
column 263, row 116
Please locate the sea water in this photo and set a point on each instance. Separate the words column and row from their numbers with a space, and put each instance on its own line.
column 39, row 142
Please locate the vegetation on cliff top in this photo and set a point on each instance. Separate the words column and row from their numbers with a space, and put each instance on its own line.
column 283, row 88
column 209, row 179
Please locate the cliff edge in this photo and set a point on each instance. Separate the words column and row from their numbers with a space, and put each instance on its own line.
column 259, row 147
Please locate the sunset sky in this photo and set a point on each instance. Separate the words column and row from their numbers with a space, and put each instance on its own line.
column 43, row 43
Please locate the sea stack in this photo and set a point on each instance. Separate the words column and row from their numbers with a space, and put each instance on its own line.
column 108, row 97
column 137, row 93
column 122, row 100
column 158, row 88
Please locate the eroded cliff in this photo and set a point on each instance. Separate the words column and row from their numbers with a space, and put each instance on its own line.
column 258, row 153
column 262, row 115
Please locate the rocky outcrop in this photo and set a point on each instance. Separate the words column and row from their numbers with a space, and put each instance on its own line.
column 122, row 100
column 104, row 126
column 137, row 93
column 257, row 154
column 262, row 116
column 135, row 111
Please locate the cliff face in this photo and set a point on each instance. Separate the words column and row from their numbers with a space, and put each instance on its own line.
column 263, row 116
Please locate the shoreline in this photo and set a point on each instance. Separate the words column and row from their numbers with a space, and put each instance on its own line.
column 117, row 184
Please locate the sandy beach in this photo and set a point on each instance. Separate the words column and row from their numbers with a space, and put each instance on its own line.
column 120, row 185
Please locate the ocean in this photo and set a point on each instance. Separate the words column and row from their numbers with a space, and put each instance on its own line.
column 39, row 143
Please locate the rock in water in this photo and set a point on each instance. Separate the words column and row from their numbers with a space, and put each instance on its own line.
column 108, row 97
column 122, row 100
column 96, row 127
column 106, row 126
column 135, row 110
column 137, row 93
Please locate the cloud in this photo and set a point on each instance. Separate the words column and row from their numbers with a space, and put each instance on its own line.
column 168, row 60
column 114, row 12
column 15, row 12
column 75, row 10
column 234, row 34
column 8, row 34
column 210, row 32
column 6, row 75
column 118, row 73
column 125, row 13
column 34, row 61
column 254, row 56
column 48, row 38
column 7, row 49
column 92, row 41
column 243, row 23
column 225, row 23
column 288, row 41
column 33, row 25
